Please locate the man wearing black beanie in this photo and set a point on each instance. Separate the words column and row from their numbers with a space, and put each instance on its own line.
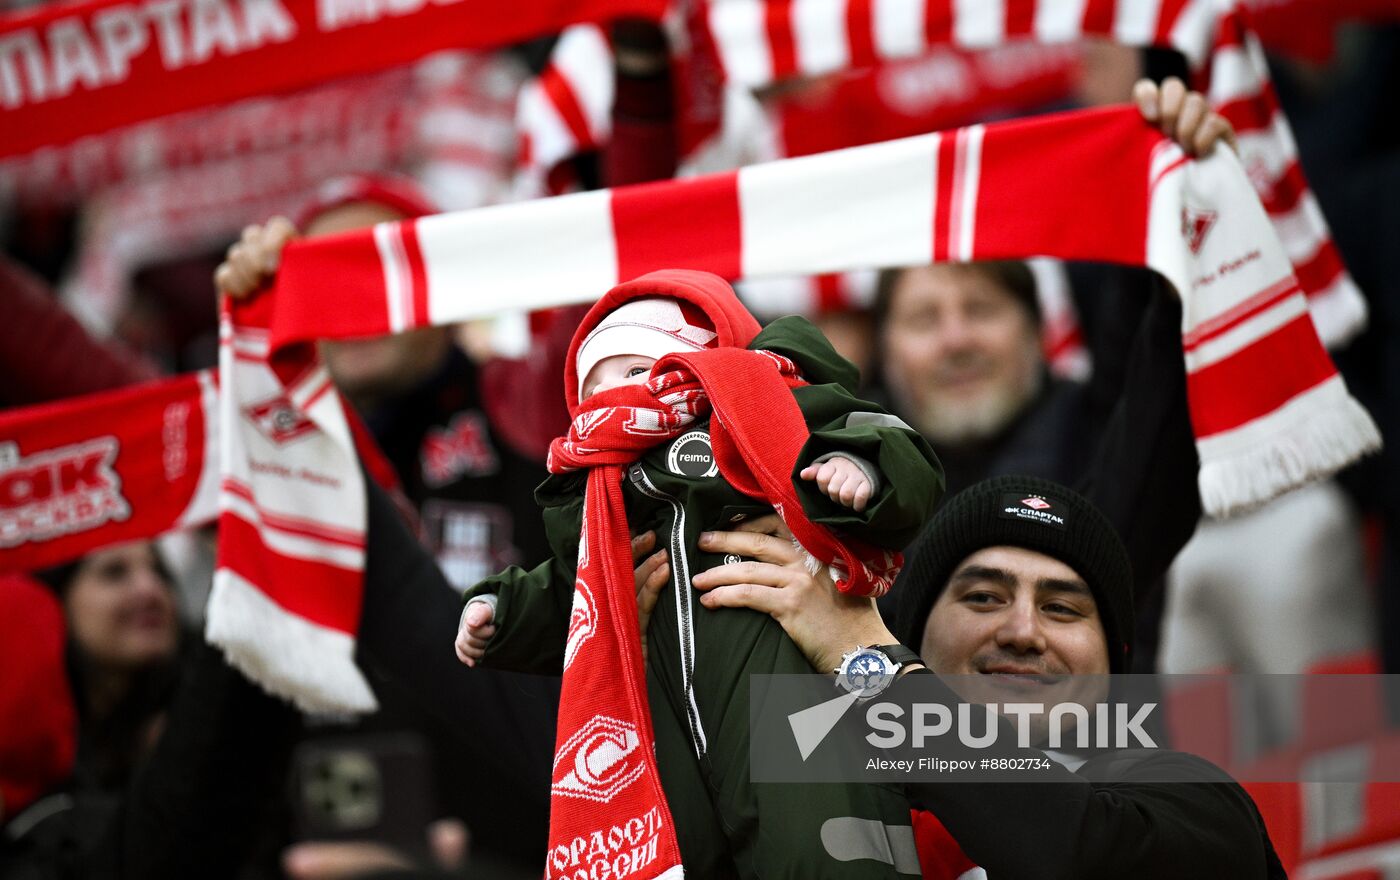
column 990, row 522
column 1017, row 578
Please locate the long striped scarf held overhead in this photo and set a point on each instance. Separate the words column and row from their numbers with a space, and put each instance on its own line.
column 763, row 42
column 77, row 80
column 1269, row 410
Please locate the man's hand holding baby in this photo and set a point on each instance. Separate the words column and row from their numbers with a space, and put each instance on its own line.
column 842, row 480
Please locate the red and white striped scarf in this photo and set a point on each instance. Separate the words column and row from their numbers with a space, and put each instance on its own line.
column 1269, row 410
column 84, row 69
column 202, row 175
column 762, row 42
column 605, row 760
column 567, row 109
column 292, row 508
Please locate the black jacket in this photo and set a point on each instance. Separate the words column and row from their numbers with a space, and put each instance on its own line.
column 192, row 807
column 1110, row 818
column 1103, row 821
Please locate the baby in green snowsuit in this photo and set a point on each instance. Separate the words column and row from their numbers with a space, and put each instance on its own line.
column 862, row 473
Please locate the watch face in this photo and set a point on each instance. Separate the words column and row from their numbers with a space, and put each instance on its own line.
column 866, row 672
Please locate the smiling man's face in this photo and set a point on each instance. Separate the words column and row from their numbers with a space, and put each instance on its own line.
column 1016, row 623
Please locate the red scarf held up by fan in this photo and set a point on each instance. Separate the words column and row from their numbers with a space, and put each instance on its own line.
column 757, row 434
column 1269, row 410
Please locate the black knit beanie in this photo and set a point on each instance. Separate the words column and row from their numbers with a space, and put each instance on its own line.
column 1024, row 512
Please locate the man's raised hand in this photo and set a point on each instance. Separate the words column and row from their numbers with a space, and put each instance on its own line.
column 1182, row 115
column 254, row 258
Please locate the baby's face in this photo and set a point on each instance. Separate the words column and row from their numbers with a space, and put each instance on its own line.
column 620, row 369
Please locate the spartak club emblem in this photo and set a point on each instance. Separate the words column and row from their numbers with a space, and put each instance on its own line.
column 595, row 763
column 279, row 421
column 1195, row 226
column 1035, row 503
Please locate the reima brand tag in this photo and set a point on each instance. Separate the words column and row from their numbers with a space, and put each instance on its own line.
column 692, row 456
column 1032, row 508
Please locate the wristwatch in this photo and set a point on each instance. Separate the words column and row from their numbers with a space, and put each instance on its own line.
column 866, row 672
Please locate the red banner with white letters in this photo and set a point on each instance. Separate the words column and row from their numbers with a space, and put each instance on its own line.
column 67, row 71
column 385, row 104
column 119, row 466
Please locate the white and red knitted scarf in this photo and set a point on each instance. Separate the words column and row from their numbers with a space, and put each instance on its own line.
column 75, row 70
column 292, row 508
column 762, row 42
column 605, row 773
column 605, row 766
column 1268, row 408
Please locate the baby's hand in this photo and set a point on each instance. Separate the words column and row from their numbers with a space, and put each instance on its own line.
column 475, row 631
column 842, row 481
